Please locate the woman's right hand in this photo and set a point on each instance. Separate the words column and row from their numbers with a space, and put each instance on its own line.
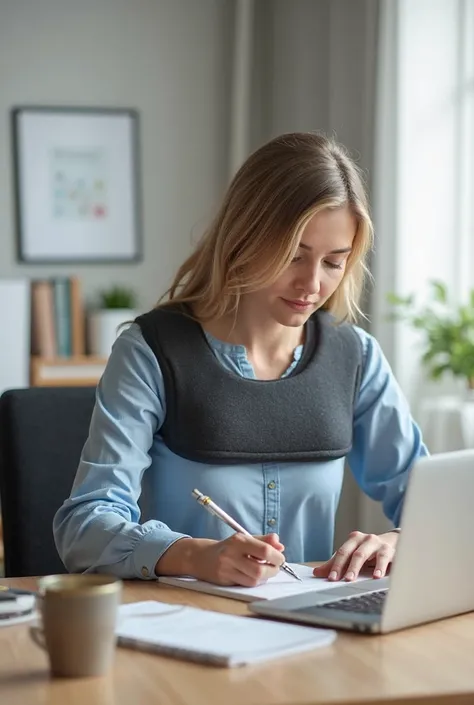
column 239, row 560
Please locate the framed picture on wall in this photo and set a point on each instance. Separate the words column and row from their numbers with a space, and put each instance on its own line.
column 76, row 184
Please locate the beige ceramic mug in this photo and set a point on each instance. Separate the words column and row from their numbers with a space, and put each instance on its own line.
column 79, row 614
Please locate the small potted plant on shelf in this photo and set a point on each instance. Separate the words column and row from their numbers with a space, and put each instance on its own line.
column 116, row 306
column 447, row 329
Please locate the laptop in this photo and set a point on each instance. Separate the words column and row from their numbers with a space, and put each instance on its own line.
column 432, row 576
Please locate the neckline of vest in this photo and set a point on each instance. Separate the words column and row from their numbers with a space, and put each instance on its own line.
column 313, row 332
column 240, row 350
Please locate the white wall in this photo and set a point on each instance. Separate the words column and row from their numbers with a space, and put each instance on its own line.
column 167, row 58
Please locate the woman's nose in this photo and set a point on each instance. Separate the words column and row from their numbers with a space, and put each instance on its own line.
column 312, row 281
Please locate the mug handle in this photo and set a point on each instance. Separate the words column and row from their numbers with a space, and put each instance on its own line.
column 37, row 634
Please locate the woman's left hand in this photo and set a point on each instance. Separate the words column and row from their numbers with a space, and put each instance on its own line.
column 360, row 550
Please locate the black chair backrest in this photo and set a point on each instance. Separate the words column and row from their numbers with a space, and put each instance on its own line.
column 42, row 432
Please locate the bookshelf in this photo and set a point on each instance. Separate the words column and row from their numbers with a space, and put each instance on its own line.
column 58, row 341
column 74, row 371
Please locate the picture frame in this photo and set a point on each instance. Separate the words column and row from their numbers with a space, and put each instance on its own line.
column 77, row 184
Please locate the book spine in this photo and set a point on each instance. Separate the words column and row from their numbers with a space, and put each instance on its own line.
column 43, row 325
column 62, row 316
column 77, row 317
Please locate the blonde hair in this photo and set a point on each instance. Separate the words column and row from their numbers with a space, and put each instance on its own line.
column 258, row 227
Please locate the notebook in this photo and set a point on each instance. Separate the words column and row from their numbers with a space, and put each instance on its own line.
column 282, row 585
column 21, row 609
column 212, row 637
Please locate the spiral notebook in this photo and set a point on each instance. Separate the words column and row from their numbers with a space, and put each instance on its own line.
column 212, row 637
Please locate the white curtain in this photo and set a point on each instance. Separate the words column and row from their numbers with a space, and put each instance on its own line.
column 424, row 160
column 423, row 176
column 241, row 86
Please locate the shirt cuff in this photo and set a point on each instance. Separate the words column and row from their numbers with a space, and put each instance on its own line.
column 150, row 549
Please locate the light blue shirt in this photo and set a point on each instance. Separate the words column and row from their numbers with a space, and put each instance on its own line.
column 125, row 462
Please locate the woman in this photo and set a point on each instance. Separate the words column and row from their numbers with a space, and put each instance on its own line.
column 252, row 384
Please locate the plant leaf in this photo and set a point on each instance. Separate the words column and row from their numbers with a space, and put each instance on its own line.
column 396, row 300
column 440, row 292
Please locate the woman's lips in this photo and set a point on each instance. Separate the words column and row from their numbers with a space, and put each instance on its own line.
column 298, row 305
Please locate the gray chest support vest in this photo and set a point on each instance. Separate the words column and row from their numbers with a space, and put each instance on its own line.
column 215, row 416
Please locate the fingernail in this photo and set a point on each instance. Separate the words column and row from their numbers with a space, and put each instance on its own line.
column 332, row 575
column 349, row 576
column 377, row 574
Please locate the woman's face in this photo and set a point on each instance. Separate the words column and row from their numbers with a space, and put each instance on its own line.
column 316, row 271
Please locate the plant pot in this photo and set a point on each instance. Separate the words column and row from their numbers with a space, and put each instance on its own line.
column 104, row 327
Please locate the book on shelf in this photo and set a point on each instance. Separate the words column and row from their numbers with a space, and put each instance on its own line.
column 57, row 320
column 75, row 371
column 58, row 335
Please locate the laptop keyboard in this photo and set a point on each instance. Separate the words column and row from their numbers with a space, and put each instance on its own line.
column 371, row 603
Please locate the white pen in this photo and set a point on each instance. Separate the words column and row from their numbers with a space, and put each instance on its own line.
column 214, row 509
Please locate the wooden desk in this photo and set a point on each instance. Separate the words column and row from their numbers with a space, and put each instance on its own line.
column 430, row 664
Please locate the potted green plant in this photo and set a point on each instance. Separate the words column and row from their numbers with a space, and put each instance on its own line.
column 116, row 306
column 447, row 330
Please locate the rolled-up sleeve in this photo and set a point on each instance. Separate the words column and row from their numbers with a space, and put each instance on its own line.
column 386, row 439
column 97, row 529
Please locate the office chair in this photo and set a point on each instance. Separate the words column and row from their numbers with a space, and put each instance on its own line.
column 42, row 432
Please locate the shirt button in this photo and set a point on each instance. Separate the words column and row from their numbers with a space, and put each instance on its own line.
column 271, row 522
column 271, row 485
column 145, row 572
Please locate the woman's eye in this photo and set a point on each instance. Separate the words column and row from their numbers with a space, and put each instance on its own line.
column 334, row 265
column 296, row 259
